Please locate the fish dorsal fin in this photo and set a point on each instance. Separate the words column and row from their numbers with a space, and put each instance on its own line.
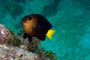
column 50, row 33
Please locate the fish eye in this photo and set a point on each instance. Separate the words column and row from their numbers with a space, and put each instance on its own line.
column 30, row 18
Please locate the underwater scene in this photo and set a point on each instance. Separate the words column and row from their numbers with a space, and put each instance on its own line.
column 44, row 29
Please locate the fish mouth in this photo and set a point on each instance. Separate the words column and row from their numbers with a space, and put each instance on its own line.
column 22, row 22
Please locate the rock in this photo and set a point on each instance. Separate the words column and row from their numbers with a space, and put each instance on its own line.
column 14, row 47
column 4, row 34
column 15, row 53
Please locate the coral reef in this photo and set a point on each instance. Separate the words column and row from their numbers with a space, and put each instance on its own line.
column 15, row 53
column 46, row 54
column 4, row 34
column 14, row 47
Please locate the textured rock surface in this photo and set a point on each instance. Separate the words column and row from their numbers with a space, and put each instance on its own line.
column 14, row 47
column 15, row 53
column 4, row 34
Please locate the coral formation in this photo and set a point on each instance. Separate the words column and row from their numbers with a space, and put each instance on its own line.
column 15, row 53
column 4, row 34
column 46, row 54
column 16, row 48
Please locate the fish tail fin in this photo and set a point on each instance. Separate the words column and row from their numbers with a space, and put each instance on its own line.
column 50, row 33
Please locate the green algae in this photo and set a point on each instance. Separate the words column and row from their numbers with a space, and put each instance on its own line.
column 15, row 40
column 46, row 54
column 34, row 46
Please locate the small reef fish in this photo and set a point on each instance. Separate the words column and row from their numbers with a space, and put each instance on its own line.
column 36, row 25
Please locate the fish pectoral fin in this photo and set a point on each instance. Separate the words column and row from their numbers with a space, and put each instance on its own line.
column 30, row 38
column 50, row 33
column 25, row 35
column 41, row 37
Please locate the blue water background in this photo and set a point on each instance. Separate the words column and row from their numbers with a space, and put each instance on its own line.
column 70, row 20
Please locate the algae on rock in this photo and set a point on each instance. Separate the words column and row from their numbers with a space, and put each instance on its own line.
column 15, row 47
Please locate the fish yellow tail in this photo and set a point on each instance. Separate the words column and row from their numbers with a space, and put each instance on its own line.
column 50, row 33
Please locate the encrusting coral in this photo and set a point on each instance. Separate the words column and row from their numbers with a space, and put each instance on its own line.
column 14, row 47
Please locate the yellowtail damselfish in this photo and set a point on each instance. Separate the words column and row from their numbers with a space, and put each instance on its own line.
column 36, row 25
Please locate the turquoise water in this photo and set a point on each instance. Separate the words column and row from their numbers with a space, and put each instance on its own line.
column 70, row 19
